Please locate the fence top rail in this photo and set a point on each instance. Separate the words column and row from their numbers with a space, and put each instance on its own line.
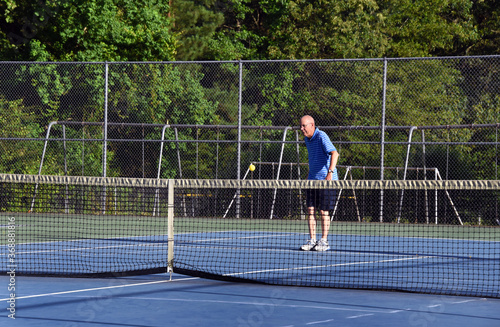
column 82, row 123
column 255, row 183
column 274, row 163
column 468, row 126
column 242, row 61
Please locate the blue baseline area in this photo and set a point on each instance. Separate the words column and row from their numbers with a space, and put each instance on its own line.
column 449, row 266
column 154, row 301
column 88, row 256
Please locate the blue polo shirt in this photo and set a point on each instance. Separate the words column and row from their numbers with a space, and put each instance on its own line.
column 319, row 147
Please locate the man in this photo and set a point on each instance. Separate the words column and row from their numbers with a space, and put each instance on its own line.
column 323, row 157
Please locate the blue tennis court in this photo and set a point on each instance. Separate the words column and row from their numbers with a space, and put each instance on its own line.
column 154, row 300
column 234, row 270
column 403, row 263
column 415, row 264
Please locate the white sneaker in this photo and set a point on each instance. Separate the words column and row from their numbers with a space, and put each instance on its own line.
column 309, row 245
column 322, row 245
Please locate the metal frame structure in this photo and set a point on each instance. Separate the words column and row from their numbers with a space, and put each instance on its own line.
column 285, row 129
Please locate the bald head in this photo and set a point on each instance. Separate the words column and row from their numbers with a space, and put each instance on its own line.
column 307, row 126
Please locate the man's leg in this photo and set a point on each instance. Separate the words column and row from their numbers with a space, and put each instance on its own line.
column 327, row 203
column 325, row 224
column 322, row 244
column 312, row 223
column 311, row 244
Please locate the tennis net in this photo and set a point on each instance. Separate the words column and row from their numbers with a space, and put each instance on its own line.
column 440, row 237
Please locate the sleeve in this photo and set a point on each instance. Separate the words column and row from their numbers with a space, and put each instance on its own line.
column 327, row 144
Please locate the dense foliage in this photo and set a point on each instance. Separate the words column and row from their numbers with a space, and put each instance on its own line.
column 58, row 56
column 155, row 30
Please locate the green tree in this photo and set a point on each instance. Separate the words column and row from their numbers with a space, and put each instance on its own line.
column 16, row 121
column 329, row 29
column 76, row 30
column 195, row 23
column 156, row 94
column 427, row 27
column 247, row 29
column 487, row 18
column 304, row 29
column 367, row 28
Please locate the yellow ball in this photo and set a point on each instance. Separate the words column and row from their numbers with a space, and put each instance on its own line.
column 252, row 167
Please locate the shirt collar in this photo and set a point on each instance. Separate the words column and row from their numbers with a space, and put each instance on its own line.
column 314, row 134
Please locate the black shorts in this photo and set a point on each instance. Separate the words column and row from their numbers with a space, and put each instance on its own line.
column 321, row 199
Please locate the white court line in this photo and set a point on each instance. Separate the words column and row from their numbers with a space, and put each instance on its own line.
column 156, row 244
column 272, row 304
column 100, row 288
column 419, row 238
column 124, row 238
column 359, row 316
column 325, row 266
column 467, row 301
column 318, row 322
column 235, row 238
column 339, row 251
column 89, row 248
column 144, row 237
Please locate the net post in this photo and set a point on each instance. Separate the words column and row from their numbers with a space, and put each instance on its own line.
column 236, row 195
column 355, row 199
column 41, row 162
column 279, row 169
column 451, row 201
column 410, row 134
column 170, row 227
column 348, row 168
column 157, row 195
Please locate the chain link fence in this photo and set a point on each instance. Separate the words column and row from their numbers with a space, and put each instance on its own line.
column 389, row 118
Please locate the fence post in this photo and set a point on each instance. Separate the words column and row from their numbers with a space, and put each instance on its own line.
column 382, row 140
column 105, row 132
column 238, row 159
